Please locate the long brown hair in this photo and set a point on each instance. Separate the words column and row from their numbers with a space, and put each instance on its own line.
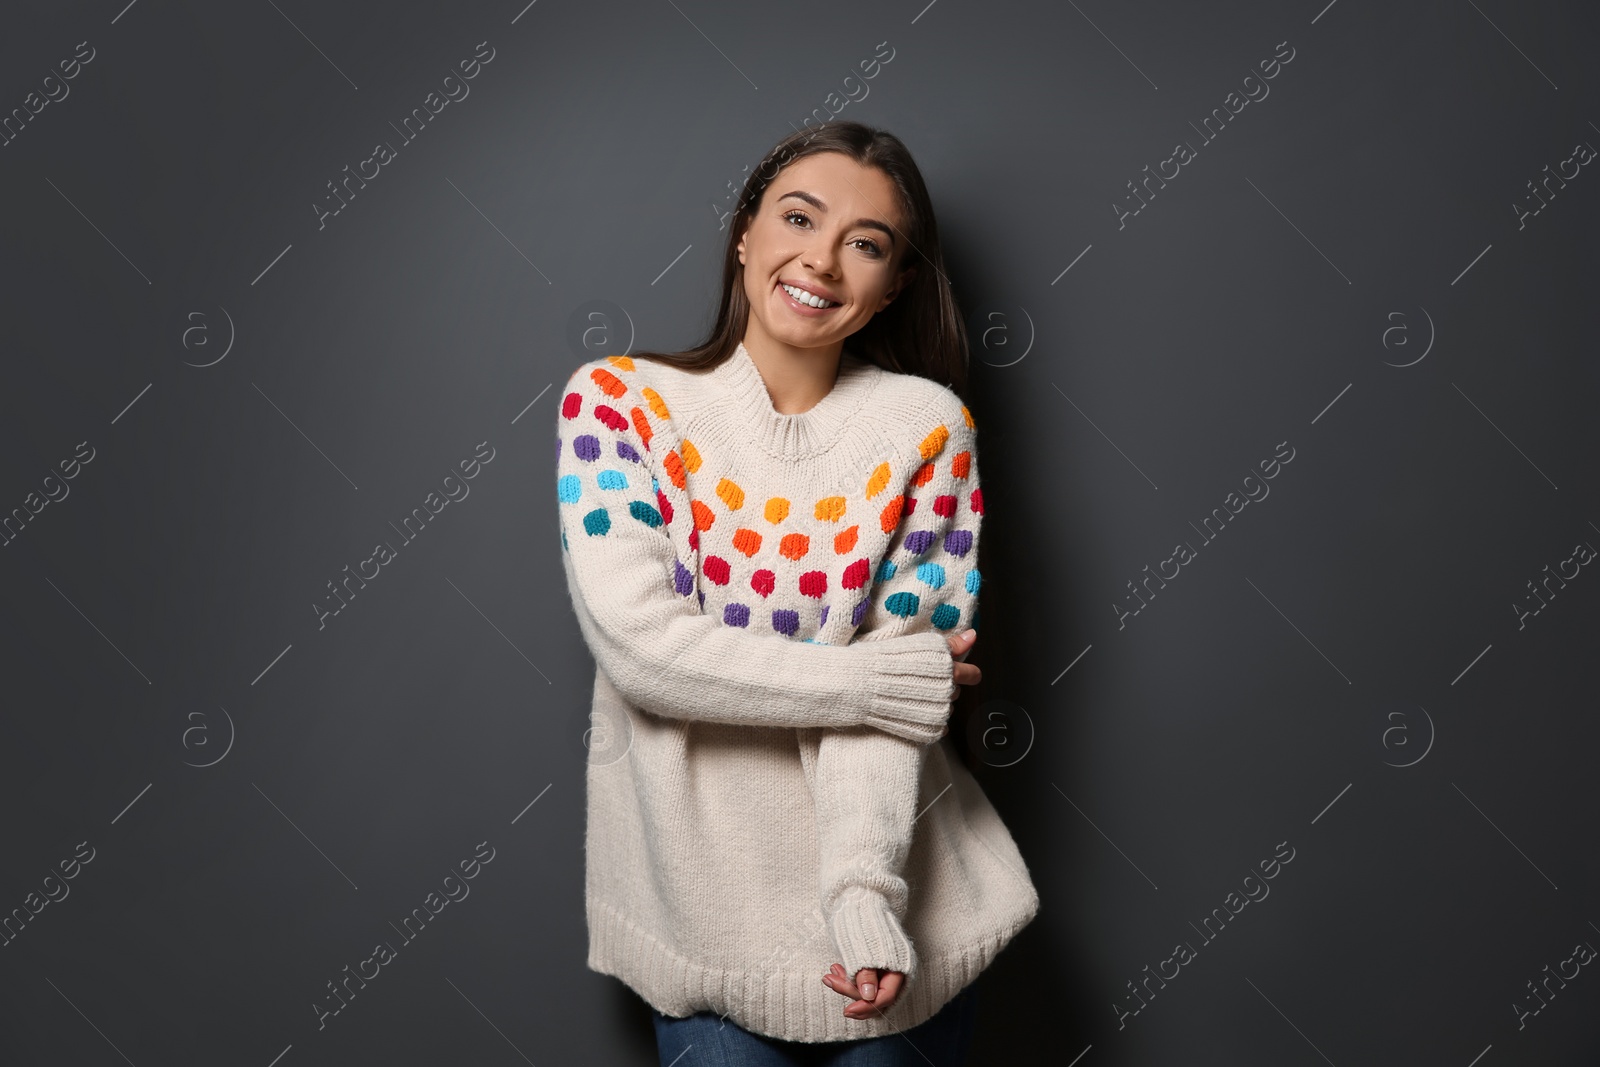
column 920, row 332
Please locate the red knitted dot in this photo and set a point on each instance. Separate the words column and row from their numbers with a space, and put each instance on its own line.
column 763, row 582
column 855, row 575
column 813, row 584
column 716, row 568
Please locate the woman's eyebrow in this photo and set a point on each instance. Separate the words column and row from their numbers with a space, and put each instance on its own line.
column 869, row 224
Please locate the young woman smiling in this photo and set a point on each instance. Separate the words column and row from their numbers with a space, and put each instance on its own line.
column 770, row 543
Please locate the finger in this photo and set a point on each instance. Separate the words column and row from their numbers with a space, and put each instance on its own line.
column 888, row 990
column 836, row 981
column 889, row 986
column 867, row 982
column 967, row 674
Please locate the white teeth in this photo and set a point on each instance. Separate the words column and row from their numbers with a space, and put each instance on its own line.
column 807, row 298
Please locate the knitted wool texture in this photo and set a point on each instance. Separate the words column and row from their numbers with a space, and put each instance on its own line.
column 767, row 599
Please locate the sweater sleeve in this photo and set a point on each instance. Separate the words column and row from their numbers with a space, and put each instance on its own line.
column 928, row 580
column 867, row 783
column 636, row 605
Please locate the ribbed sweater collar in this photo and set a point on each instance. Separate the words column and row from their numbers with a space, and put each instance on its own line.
column 808, row 433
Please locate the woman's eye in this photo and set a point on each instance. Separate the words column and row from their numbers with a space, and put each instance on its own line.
column 790, row 215
column 872, row 246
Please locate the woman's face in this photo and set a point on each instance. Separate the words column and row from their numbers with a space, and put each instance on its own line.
column 832, row 227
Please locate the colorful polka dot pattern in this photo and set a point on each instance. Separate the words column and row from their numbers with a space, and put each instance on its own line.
column 899, row 553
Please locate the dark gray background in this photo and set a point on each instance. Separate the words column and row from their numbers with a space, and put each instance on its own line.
column 1358, row 617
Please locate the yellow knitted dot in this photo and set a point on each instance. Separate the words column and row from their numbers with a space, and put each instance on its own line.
column 932, row 443
column 691, row 457
column 620, row 362
column 830, row 508
column 731, row 494
column 965, row 414
column 879, row 479
column 777, row 510
column 659, row 406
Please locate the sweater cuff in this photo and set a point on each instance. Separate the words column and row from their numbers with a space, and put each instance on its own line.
column 912, row 687
column 868, row 934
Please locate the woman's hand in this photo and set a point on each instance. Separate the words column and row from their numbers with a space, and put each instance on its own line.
column 960, row 645
column 872, row 991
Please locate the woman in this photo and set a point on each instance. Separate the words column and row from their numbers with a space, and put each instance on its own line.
column 770, row 545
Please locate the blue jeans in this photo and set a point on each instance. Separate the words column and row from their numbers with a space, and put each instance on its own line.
column 711, row 1041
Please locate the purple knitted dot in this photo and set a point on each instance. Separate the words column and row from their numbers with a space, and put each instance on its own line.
column 918, row 541
column 682, row 579
column 627, row 452
column 586, row 446
column 824, row 620
column 859, row 612
column 786, row 621
column 702, row 598
column 958, row 542
column 735, row 615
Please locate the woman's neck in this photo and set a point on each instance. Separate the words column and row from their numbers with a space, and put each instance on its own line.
column 796, row 378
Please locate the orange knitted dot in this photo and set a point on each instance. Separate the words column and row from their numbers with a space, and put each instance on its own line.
column 794, row 546
column 961, row 465
column 924, row 472
column 674, row 467
column 609, row 383
column 641, row 425
column 879, row 479
column 620, row 362
column 657, row 405
column 731, row 494
column 703, row 516
column 691, row 456
column 846, row 540
column 889, row 517
column 965, row 414
column 934, row 442
column 777, row 510
column 830, row 508
column 747, row 541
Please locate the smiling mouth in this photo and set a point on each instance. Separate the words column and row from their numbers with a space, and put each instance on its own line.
column 809, row 299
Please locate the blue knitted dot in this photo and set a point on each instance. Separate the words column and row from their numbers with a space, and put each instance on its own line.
column 564, row 547
column 886, row 571
column 597, row 522
column 569, row 487
column 611, row 479
column 901, row 604
column 945, row 616
column 644, row 513
column 930, row 575
column 973, row 581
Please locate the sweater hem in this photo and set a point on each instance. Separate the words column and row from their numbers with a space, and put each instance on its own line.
column 789, row 1003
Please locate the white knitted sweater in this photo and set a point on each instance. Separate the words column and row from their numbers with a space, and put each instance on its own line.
column 766, row 597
